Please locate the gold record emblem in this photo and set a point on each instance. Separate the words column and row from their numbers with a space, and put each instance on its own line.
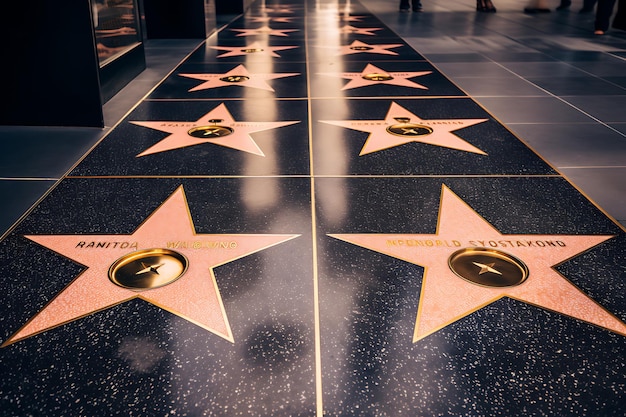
column 406, row 128
column 235, row 78
column 377, row 76
column 488, row 267
column 361, row 48
column 252, row 50
column 147, row 269
column 211, row 131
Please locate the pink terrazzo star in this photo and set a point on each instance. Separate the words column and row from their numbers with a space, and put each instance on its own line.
column 400, row 127
column 358, row 47
column 264, row 30
column 255, row 48
column 217, row 127
column 194, row 296
column 372, row 75
column 446, row 297
column 238, row 76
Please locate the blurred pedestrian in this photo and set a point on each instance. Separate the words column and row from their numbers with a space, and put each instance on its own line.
column 603, row 16
column 537, row 6
column 588, row 6
column 541, row 6
column 404, row 6
column 565, row 4
column 485, row 6
column 619, row 22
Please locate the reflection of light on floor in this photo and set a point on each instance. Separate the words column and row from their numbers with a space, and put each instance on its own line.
column 141, row 354
column 332, row 198
column 253, row 196
column 257, row 198
column 330, row 35
column 333, row 201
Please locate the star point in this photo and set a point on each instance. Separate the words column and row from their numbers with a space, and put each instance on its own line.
column 149, row 268
column 484, row 268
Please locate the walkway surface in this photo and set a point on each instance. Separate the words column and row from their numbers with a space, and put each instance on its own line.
column 336, row 209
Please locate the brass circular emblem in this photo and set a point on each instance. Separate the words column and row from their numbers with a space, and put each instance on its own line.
column 210, row 132
column 235, row 78
column 409, row 129
column 376, row 76
column 361, row 48
column 147, row 269
column 252, row 50
column 488, row 267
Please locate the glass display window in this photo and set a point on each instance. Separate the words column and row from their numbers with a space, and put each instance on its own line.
column 116, row 24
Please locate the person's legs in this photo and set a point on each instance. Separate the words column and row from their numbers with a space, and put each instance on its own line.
column 417, row 6
column 588, row 6
column 565, row 4
column 485, row 6
column 404, row 5
column 619, row 22
column 537, row 6
column 603, row 16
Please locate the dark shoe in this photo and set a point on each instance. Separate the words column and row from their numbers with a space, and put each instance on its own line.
column 618, row 24
column 619, row 21
column 565, row 4
column 485, row 6
column 533, row 10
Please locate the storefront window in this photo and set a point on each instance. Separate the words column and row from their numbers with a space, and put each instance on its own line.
column 116, row 25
